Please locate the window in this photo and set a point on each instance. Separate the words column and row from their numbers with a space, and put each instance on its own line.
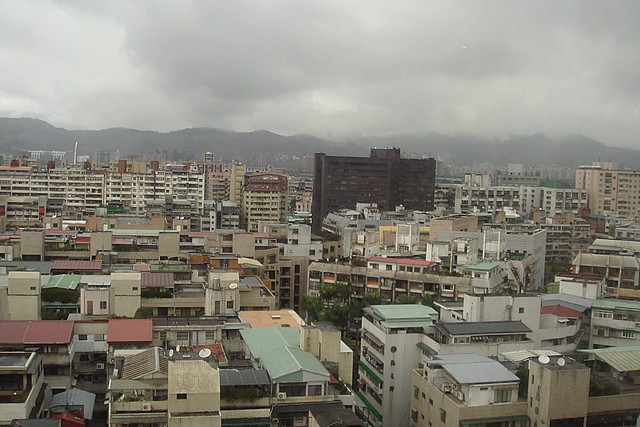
column 33, row 288
column 162, row 335
column 315, row 390
column 135, row 288
column 443, row 415
column 414, row 415
column 210, row 335
column 627, row 334
column 98, row 337
column 230, row 304
column 521, row 310
column 181, row 396
column 502, row 395
column 82, row 337
column 389, row 267
column 416, row 392
column 182, row 336
column 431, row 402
column 103, row 305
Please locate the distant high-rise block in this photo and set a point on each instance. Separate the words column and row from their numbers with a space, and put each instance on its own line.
column 384, row 178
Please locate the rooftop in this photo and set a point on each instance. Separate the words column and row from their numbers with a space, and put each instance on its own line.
column 403, row 312
column 616, row 304
column 474, row 369
column 478, row 328
column 483, row 266
column 36, row 331
column 264, row 318
column 130, row 330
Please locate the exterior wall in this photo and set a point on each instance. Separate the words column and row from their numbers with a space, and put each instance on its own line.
column 257, row 298
column 452, row 223
column 611, row 191
column 23, row 297
column 557, row 393
column 125, row 289
column 100, row 241
column 32, row 245
column 168, row 245
column 92, row 301
column 326, row 345
column 199, row 386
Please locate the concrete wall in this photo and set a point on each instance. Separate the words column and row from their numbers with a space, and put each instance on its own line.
column 125, row 294
column 100, row 241
column 32, row 245
column 23, row 298
column 168, row 245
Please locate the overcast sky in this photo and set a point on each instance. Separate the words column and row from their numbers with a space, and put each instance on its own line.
column 491, row 68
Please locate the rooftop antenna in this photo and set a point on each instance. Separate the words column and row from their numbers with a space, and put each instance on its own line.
column 171, row 353
column 544, row 359
column 178, row 348
column 562, row 362
column 204, row 353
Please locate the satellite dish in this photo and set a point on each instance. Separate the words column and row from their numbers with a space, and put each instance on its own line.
column 562, row 362
column 171, row 353
column 178, row 348
column 204, row 353
column 544, row 359
column 233, row 286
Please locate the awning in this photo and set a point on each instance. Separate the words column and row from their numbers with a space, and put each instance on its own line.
column 372, row 408
column 369, row 370
column 250, row 262
column 426, row 349
column 622, row 359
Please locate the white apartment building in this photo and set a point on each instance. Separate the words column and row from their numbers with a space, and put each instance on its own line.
column 615, row 323
column 553, row 201
column 87, row 190
column 390, row 334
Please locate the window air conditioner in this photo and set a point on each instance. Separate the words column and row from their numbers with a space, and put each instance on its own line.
column 100, row 366
column 146, row 407
column 282, row 395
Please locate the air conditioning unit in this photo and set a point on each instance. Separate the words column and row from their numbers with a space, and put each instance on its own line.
column 100, row 366
column 282, row 395
column 446, row 388
column 146, row 407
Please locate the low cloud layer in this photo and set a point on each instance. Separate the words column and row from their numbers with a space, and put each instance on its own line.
column 492, row 68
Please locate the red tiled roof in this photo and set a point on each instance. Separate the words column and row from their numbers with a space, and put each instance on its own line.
column 83, row 240
column 404, row 261
column 217, row 351
column 130, row 330
column 49, row 332
column 36, row 331
column 560, row 311
column 156, row 280
column 13, row 331
column 141, row 267
column 261, row 235
column 198, row 233
column 75, row 265
column 121, row 241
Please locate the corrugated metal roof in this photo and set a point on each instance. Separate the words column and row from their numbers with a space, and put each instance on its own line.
column 36, row 331
column 401, row 312
column 404, row 261
column 151, row 361
column 63, row 281
column 262, row 340
column 76, row 396
column 614, row 304
column 156, row 280
column 475, row 328
column 474, row 369
column 284, row 361
column 244, row 377
column 130, row 330
column 622, row 359
column 75, row 265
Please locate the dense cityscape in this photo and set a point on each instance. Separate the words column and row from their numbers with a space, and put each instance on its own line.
column 372, row 289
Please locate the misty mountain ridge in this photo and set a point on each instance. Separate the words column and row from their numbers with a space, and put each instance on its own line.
column 19, row 135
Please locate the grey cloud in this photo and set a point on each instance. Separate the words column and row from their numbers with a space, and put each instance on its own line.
column 370, row 67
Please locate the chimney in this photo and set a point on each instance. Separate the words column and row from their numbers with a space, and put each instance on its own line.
column 122, row 166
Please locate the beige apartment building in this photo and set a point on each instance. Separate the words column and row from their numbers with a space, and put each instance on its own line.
column 264, row 200
column 611, row 191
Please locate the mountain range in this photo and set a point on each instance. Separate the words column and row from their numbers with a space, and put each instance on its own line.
column 20, row 135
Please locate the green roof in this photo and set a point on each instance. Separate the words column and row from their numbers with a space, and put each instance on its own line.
column 483, row 266
column 262, row 340
column 288, row 364
column 426, row 349
column 63, row 281
column 404, row 312
column 622, row 359
column 613, row 304
column 169, row 268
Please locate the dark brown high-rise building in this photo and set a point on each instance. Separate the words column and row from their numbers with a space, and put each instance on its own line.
column 383, row 178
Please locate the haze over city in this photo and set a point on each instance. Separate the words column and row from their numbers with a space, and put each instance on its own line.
column 492, row 68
